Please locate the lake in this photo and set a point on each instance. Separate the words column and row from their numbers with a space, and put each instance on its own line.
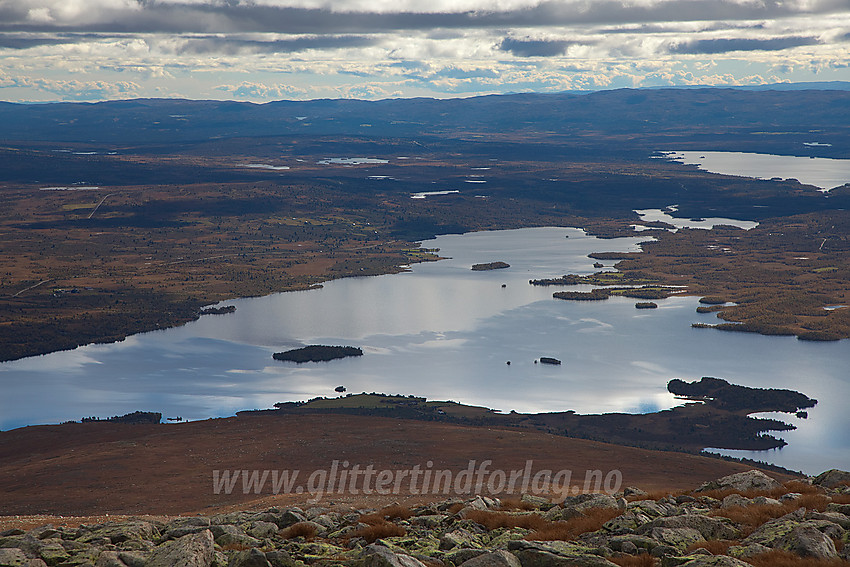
column 825, row 173
column 445, row 332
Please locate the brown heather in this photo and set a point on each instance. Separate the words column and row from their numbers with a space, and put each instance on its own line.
column 779, row 558
column 590, row 521
column 301, row 529
column 375, row 532
column 494, row 520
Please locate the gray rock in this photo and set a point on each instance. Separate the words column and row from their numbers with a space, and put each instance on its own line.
column 648, row 507
column 109, row 559
column 840, row 508
column 262, row 529
column 459, row 538
column 131, row 559
column 807, row 541
column 249, row 558
column 499, row 558
column 429, row 520
column 185, row 526
column 13, row 557
column 194, row 550
column 765, row 501
column 52, row 551
column 233, row 535
column 459, row 556
column 634, row 491
column 626, row 523
column 734, row 501
column 118, row 532
column 379, row 556
column 744, row 481
column 834, row 517
column 790, row 497
column 584, row 502
column 832, row 478
column 280, row 558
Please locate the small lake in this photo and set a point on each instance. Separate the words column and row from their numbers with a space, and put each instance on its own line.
column 825, row 173
column 444, row 332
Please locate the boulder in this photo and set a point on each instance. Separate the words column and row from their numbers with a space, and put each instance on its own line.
column 109, row 559
column 499, row 558
column 834, row 517
column 380, row 556
column 459, row 556
column 832, row 478
column 13, row 557
column 249, row 558
column 707, row 526
column 700, row 560
column 735, row 501
column 193, row 550
column 807, row 541
column 459, row 538
column 742, row 482
column 680, row 538
column 280, row 558
column 744, row 551
column 772, row 531
column 262, row 529
column 555, row 554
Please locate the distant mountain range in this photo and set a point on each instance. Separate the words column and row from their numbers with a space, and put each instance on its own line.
column 803, row 107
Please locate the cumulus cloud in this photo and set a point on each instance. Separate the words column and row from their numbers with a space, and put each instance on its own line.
column 254, row 91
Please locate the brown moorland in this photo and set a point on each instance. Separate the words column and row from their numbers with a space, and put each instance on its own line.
column 98, row 468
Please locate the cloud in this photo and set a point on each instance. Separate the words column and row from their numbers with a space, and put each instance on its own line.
column 535, row 47
column 251, row 90
column 237, row 46
column 352, row 16
column 725, row 45
column 74, row 89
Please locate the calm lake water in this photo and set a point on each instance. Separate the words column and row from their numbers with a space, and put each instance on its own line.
column 445, row 332
column 826, row 173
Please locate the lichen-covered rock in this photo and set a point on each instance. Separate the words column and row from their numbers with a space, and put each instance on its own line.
column 680, row 538
column 708, row 527
column 379, row 556
column 249, row 558
column 743, row 481
column 629, row 522
column 744, row 551
column 118, row 532
column 807, row 541
column 193, row 550
column 832, row 478
column 459, row 556
column 460, row 538
column 772, row 531
column 704, row 561
column 13, row 557
column 555, row 554
column 261, row 529
column 499, row 558
column 834, row 517
column 840, row 508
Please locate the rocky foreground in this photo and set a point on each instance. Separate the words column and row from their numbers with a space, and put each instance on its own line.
column 739, row 520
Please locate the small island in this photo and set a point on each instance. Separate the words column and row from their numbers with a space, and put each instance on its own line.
column 490, row 266
column 549, row 360
column 646, row 305
column 317, row 353
column 218, row 310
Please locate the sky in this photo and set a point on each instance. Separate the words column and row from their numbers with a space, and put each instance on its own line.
column 263, row 50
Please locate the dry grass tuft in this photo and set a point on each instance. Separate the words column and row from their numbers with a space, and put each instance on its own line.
column 590, row 521
column 391, row 512
column 779, row 558
column 493, row 520
column 301, row 529
column 375, row 532
column 455, row 508
column 642, row 560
